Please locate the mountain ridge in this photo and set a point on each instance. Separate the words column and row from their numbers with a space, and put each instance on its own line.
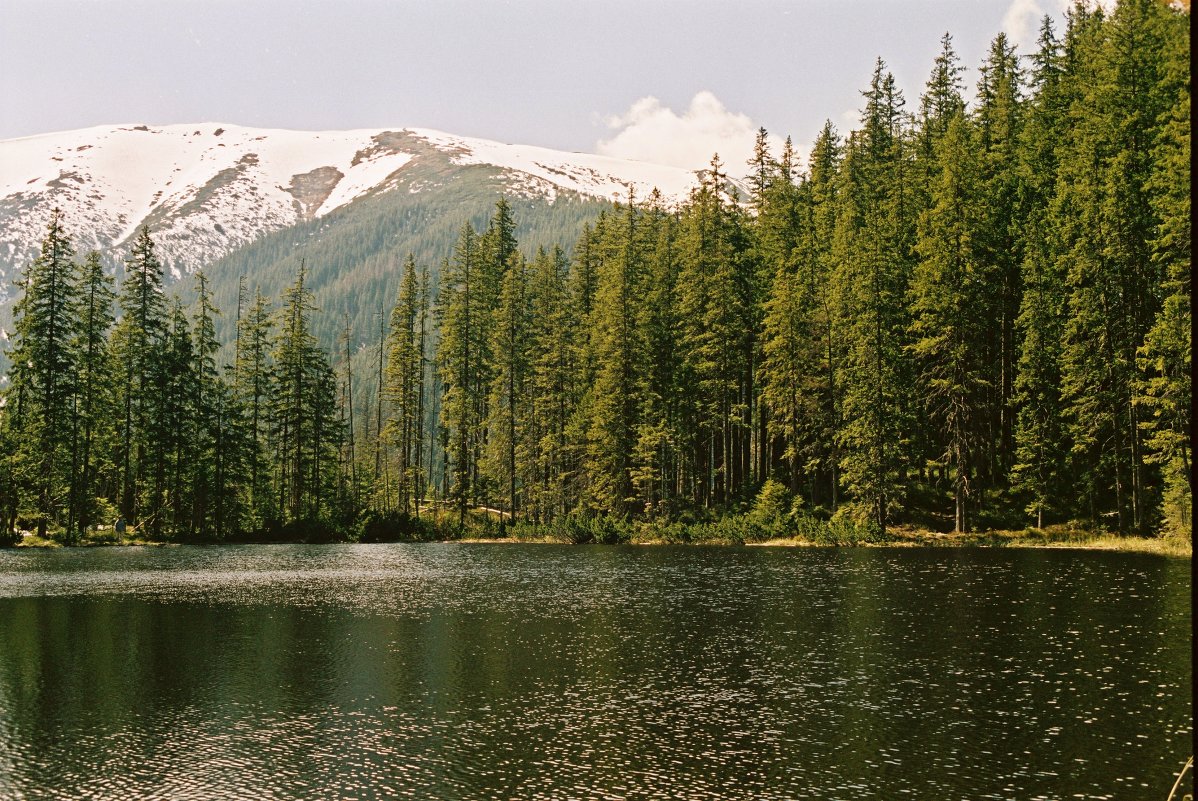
column 208, row 189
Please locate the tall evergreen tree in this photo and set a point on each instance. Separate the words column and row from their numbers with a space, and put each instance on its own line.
column 1164, row 359
column 1103, row 208
column 213, row 494
column 941, row 100
column 404, row 369
column 508, row 413
column 138, row 347
column 947, row 293
column 303, row 413
column 422, row 477
column 177, row 430
column 871, row 254
column 800, row 347
column 44, row 374
column 999, row 239
column 555, row 385
column 720, row 319
column 656, row 470
column 95, row 406
column 612, row 400
column 461, row 355
column 1039, row 472
column 250, row 409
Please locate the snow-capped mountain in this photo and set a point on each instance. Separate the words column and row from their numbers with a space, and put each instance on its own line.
column 208, row 189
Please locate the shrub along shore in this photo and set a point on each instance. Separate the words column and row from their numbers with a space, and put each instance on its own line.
column 750, row 529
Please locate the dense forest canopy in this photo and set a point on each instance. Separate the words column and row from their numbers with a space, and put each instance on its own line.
column 972, row 311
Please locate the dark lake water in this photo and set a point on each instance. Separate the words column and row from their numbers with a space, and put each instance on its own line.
column 541, row 672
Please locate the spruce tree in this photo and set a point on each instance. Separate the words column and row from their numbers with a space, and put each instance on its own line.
column 138, row 348
column 720, row 319
column 999, row 235
column 213, row 494
column 96, row 404
column 304, row 423
column 1103, row 209
column 1039, row 472
column 422, row 477
column 176, row 428
column 611, row 403
column 349, row 496
column 555, row 385
column 403, row 379
column 42, row 391
column 508, row 417
column 941, row 100
column 460, row 355
column 1164, row 359
column 871, row 257
column 948, row 291
column 800, row 349
column 656, row 470
column 251, row 408
column 785, row 373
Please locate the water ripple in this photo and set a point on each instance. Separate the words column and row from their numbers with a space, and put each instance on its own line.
column 499, row 672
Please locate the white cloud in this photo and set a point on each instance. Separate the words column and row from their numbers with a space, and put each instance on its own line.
column 650, row 131
column 849, row 121
column 1022, row 20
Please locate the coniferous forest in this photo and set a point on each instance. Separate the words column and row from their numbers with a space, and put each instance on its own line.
column 971, row 312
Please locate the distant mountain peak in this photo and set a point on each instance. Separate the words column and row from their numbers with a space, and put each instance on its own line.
column 207, row 189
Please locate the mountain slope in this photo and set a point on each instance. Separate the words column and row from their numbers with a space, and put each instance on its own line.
column 353, row 255
column 208, row 189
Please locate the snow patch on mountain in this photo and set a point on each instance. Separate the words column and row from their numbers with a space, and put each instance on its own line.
column 598, row 176
column 206, row 189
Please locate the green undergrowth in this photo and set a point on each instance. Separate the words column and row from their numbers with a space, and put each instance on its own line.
column 772, row 520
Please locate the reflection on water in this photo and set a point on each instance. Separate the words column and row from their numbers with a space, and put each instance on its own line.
column 506, row 671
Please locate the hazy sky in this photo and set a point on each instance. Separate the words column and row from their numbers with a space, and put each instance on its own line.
column 652, row 79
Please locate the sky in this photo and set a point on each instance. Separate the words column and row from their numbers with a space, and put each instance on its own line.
column 654, row 80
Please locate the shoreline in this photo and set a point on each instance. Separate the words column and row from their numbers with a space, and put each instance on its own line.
column 1031, row 539
column 1074, row 540
column 1162, row 546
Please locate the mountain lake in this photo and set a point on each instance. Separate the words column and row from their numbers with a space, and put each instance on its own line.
column 494, row 671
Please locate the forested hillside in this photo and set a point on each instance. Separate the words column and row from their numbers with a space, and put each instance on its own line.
column 973, row 311
column 355, row 254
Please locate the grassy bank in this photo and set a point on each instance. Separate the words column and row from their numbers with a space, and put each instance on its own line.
column 488, row 526
column 90, row 539
column 1028, row 538
column 810, row 532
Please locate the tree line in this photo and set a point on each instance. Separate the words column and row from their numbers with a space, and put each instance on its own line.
column 972, row 314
